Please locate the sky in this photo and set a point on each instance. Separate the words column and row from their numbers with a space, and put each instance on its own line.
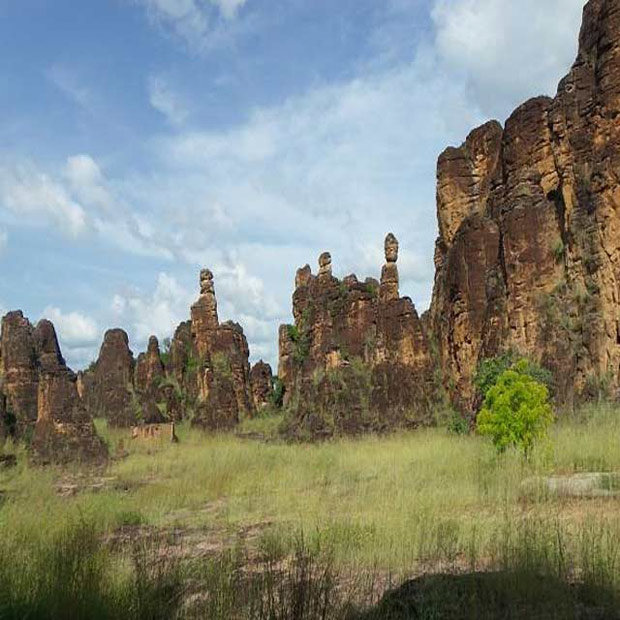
column 142, row 140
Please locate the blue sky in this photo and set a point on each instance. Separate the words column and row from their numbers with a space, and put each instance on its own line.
column 141, row 140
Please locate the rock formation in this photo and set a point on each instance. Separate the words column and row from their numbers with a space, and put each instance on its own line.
column 357, row 357
column 261, row 380
column 217, row 358
column 39, row 400
column 19, row 374
column 64, row 432
column 528, row 256
column 149, row 372
column 108, row 387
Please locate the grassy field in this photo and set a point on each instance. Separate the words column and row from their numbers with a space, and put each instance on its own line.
column 346, row 519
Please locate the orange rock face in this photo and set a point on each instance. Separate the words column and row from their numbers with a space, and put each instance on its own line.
column 528, row 256
column 357, row 357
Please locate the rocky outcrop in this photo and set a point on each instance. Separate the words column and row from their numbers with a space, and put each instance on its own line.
column 357, row 357
column 19, row 375
column 108, row 387
column 261, row 380
column 64, row 432
column 528, row 256
column 39, row 401
column 205, row 376
column 149, row 372
column 217, row 363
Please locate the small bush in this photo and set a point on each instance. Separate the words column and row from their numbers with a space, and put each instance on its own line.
column 457, row 424
column 516, row 411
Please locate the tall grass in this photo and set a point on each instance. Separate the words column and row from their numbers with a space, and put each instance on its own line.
column 380, row 509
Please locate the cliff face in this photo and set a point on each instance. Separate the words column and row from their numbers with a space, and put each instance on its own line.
column 40, row 401
column 357, row 357
column 528, row 256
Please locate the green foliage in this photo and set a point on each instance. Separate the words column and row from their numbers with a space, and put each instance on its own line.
column 301, row 343
column 490, row 370
column 457, row 424
column 193, row 364
column 221, row 364
column 165, row 351
column 559, row 251
column 372, row 289
column 277, row 394
column 516, row 411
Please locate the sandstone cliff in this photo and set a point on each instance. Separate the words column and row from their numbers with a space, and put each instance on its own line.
column 528, row 256
column 357, row 357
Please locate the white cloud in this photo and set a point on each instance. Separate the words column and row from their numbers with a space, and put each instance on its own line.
column 74, row 328
column 157, row 313
column 185, row 16
column 166, row 101
column 4, row 239
column 86, row 181
column 508, row 50
column 229, row 8
column 196, row 21
column 31, row 194
column 78, row 200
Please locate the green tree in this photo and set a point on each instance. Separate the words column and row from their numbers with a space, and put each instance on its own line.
column 490, row 370
column 516, row 411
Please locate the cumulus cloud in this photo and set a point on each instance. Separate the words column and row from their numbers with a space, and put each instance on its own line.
column 155, row 313
column 73, row 328
column 166, row 101
column 86, row 181
column 78, row 335
column 33, row 195
column 78, row 200
column 507, row 50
